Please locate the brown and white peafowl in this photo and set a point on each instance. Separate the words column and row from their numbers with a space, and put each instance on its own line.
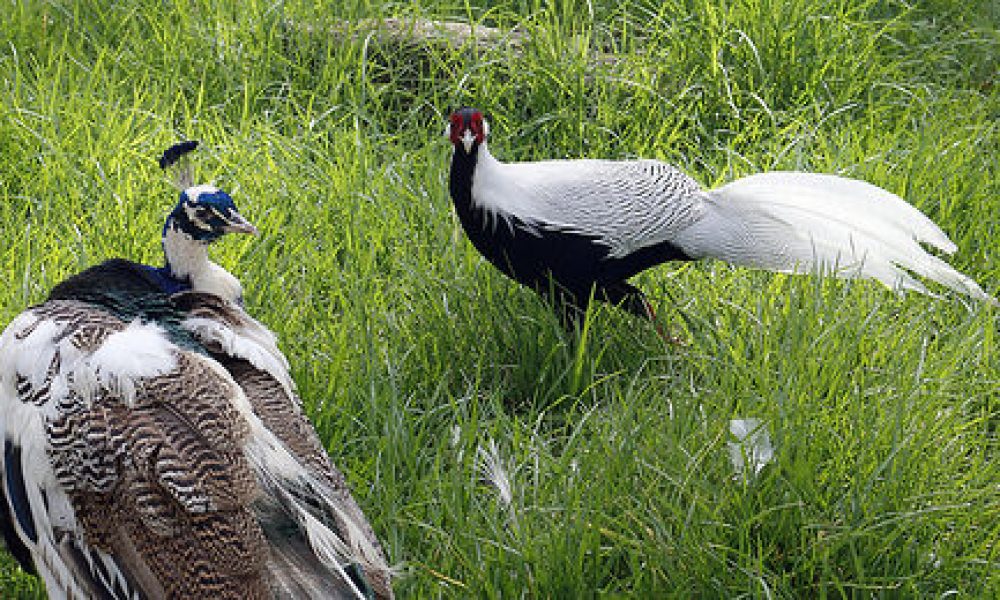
column 153, row 442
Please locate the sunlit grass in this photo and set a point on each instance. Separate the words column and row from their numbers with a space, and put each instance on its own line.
column 412, row 353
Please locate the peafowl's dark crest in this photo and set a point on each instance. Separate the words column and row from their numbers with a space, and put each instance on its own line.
column 174, row 153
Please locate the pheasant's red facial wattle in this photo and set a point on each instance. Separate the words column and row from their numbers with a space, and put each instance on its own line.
column 477, row 128
column 455, row 128
column 467, row 128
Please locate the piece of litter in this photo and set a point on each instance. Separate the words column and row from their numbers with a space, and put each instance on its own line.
column 753, row 444
column 493, row 469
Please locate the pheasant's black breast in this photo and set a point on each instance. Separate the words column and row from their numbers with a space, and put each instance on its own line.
column 536, row 254
column 530, row 253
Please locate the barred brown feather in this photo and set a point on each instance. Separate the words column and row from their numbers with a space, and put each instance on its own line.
column 164, row 479
column 281, row 412
column 170, row 457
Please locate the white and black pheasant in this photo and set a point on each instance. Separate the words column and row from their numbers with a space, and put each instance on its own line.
column 153, row 443
column 579, row 229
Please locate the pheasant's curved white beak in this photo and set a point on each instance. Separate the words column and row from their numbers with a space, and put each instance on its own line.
column 467, row 140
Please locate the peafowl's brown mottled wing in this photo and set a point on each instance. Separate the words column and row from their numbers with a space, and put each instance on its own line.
column 160, row 451
column 147, row 451
column 280, row 410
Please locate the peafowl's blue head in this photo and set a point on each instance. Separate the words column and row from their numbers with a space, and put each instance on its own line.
column 205, row 213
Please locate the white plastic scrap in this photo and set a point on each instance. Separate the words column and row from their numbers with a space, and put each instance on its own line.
column 753, row 443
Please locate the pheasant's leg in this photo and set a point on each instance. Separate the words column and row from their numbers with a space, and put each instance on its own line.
column 632, row 300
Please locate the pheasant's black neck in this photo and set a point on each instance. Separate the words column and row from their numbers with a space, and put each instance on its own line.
column 535, row 256
column 472, row 217
column 497, row 237
column 463, row 166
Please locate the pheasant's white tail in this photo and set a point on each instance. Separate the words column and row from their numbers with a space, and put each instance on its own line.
column 802, row 222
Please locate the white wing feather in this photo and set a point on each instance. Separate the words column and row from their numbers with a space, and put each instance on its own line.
column 626, row 205
column 32, row 348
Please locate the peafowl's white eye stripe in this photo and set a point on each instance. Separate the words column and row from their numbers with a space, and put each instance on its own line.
column 192, row 215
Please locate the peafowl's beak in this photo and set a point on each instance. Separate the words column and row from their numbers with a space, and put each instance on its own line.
column 237, row 224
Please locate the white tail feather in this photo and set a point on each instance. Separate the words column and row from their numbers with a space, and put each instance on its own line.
column 803, row 222
column 328, row 547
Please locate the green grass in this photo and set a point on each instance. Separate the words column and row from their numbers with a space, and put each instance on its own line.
column 411, row 352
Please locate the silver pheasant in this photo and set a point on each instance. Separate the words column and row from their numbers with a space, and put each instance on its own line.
column 579, row 229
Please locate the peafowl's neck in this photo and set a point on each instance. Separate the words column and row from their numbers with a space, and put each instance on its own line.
column 187, row 260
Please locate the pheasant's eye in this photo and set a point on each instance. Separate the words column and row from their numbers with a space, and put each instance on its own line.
column 203, row 213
